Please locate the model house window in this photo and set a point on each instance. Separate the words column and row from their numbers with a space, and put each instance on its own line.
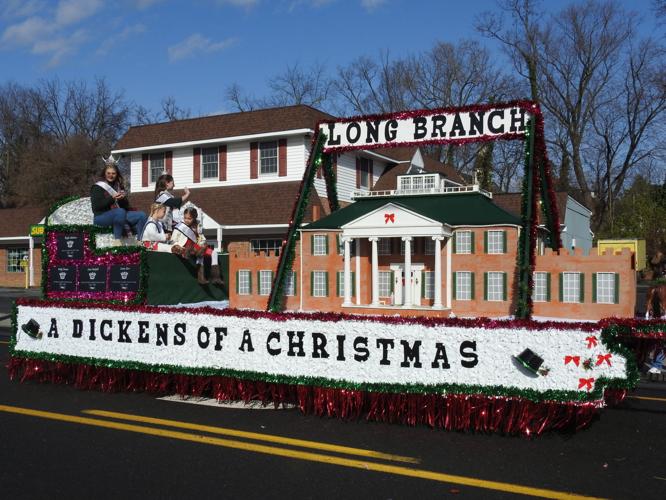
column 319, row 283
column 265, row 282
column 464, row 285
column 429, row 246
column 464, row 241
column 209, row 163
column 606, row 293
column 571, row 287
column 495, row 242
column 268, row 157
column 495, row 286
column 365, row 173
column 268, row 246
column 384, row 246
column 428, row 285
column 541, row 292
column 320, row 244
column 417, row 182
column 290, row 284
column 14, row 258
column 244, row 282
column 156, row 166
column 340, row 283
column 405, row 183
column 385, row 280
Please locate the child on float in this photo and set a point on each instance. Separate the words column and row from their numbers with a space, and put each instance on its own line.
column 163, row 195
column 110, row 204
column 154, row 236
column 186, row 235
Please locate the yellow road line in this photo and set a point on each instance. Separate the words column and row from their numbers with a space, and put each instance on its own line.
column 301, row 455
column 253, row 435
column 647, row 398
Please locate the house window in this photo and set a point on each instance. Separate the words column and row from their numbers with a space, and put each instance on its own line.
column 14, row 258
column 244, row 282
column 384, row 246
column 606, row 288
column 571, row 289
column 156, row 166
column 429, row 182
column 495, row 286
column 340, row 283
column 265, row 282
column 385, row 280
column 209, row 163
column 495, row 242
column 319, row 283
column 541, row 292
column 428, row 285
column 429, row 246
column 268, row 157
column 405, row 183
column 290, row 284
column 464, row 284
column 268, row 246
column 320, row 244
column 365, row 173
column 463, row 241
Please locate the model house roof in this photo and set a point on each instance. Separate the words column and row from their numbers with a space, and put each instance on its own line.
column 468, row 209
column 388, row 179
column 244, row 123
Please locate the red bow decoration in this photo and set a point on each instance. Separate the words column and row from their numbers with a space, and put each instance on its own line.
column 389, row 217
column 591, row 341
column 604, row 357
column 569, row 359
column 585, row 382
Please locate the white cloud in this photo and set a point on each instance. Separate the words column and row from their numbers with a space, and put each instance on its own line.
column 11, row 9
column 73, row 11
column 113, row 40
column 144, row 4
column 239, row 3
column 57, row 48
column 27, row 32
column 370, row 5
column 197, row 43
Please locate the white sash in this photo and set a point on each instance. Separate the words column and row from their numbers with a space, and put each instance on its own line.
column 107, row 188
column 187, row 231
column 164, row 196
column 158, row 225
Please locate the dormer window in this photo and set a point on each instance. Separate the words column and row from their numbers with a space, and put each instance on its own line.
column 423, row 183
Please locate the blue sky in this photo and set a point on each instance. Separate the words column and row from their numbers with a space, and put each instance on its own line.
column 193, row 50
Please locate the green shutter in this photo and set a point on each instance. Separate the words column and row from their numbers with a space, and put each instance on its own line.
column 295, row 283
column 237, row 283
column 337, row 244
column 423, row 284
column 582, row 287
column 337, row 284
column 312, row 244
column 326, row 243
column 561, row 287
column 616, row 294
column 453, row 291
column 473, row 285
column 249, row 281
column 471, row 237
column 485, row 285
column 455, row 245
column 594, row 287
column 353, row 284
column 485, row 242
column 311, row 283
column 258, row 282
column 504, row 243
column 326, row 282
column 392, row 280
column 547, row 287
column 504, row 286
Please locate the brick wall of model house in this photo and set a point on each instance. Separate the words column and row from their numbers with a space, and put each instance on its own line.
column 579, row 269
column 17, row 279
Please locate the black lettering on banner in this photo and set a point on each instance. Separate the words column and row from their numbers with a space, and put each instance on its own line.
column 273, row 351
column 91, row 336
column 468, row 351
column 476, row 122
column 203, row 342
column 438, row 122
column 385, row 344
column 123, row 326
column 318, row 345
column 520, row 120
column 497, row 113
column 53, row 331
column 247, row 341
column 179, row 333
column 420, row 129
column 440, row 355
column 144, row 336
column 391, row 130
column 411, row 353
column 341, row 347
column 457, row 129
column 357, row 132
column 220, row 333
column 372, row 131
column 77, row 328
column 361, row 348
column 295, row 344
column 162, row 333
column 333, row 140
column 102, row 329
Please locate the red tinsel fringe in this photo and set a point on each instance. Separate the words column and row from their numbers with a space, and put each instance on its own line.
column 457, row 412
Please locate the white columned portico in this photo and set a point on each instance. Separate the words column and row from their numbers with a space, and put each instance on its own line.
column 407, row 302
column 347, row 273
column 375, row 272
column 449, row 273
column 437, row 303
column 357, row 247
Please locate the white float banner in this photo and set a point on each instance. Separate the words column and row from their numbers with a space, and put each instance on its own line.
column 358, row 352
column 425, row 128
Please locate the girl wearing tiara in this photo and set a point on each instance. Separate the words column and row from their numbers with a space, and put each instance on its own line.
column 186, row 235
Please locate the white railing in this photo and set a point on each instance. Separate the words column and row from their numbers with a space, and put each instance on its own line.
column 356, row 194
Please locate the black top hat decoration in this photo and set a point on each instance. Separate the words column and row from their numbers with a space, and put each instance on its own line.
column 532, row 362
column 32, row 329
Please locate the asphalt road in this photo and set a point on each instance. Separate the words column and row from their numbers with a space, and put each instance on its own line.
column 52, row 446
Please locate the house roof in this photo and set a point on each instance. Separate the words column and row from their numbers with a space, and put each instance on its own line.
column 473, row 209
column 248, row 204
column 17, row 221
column 220, row 126
column 388, row 179
column 511, row 202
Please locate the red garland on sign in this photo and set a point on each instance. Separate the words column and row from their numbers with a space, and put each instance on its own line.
column 460, row 412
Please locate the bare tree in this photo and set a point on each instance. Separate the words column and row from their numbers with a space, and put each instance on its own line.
column 172, row 112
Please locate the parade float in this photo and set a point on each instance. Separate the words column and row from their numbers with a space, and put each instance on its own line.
column 105, row 321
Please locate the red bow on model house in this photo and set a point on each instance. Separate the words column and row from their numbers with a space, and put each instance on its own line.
column 585, row 382
column 569, row 359
column 591, row 341
column 389, row 217
column 604, row 357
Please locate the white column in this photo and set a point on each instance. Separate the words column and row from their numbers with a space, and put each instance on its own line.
column 375, row 272
column 357, row 245
column 31, row 260
column 437, row 304
column 347, row 274
column 407, row 302
column 219, row 239
column 449, row 274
